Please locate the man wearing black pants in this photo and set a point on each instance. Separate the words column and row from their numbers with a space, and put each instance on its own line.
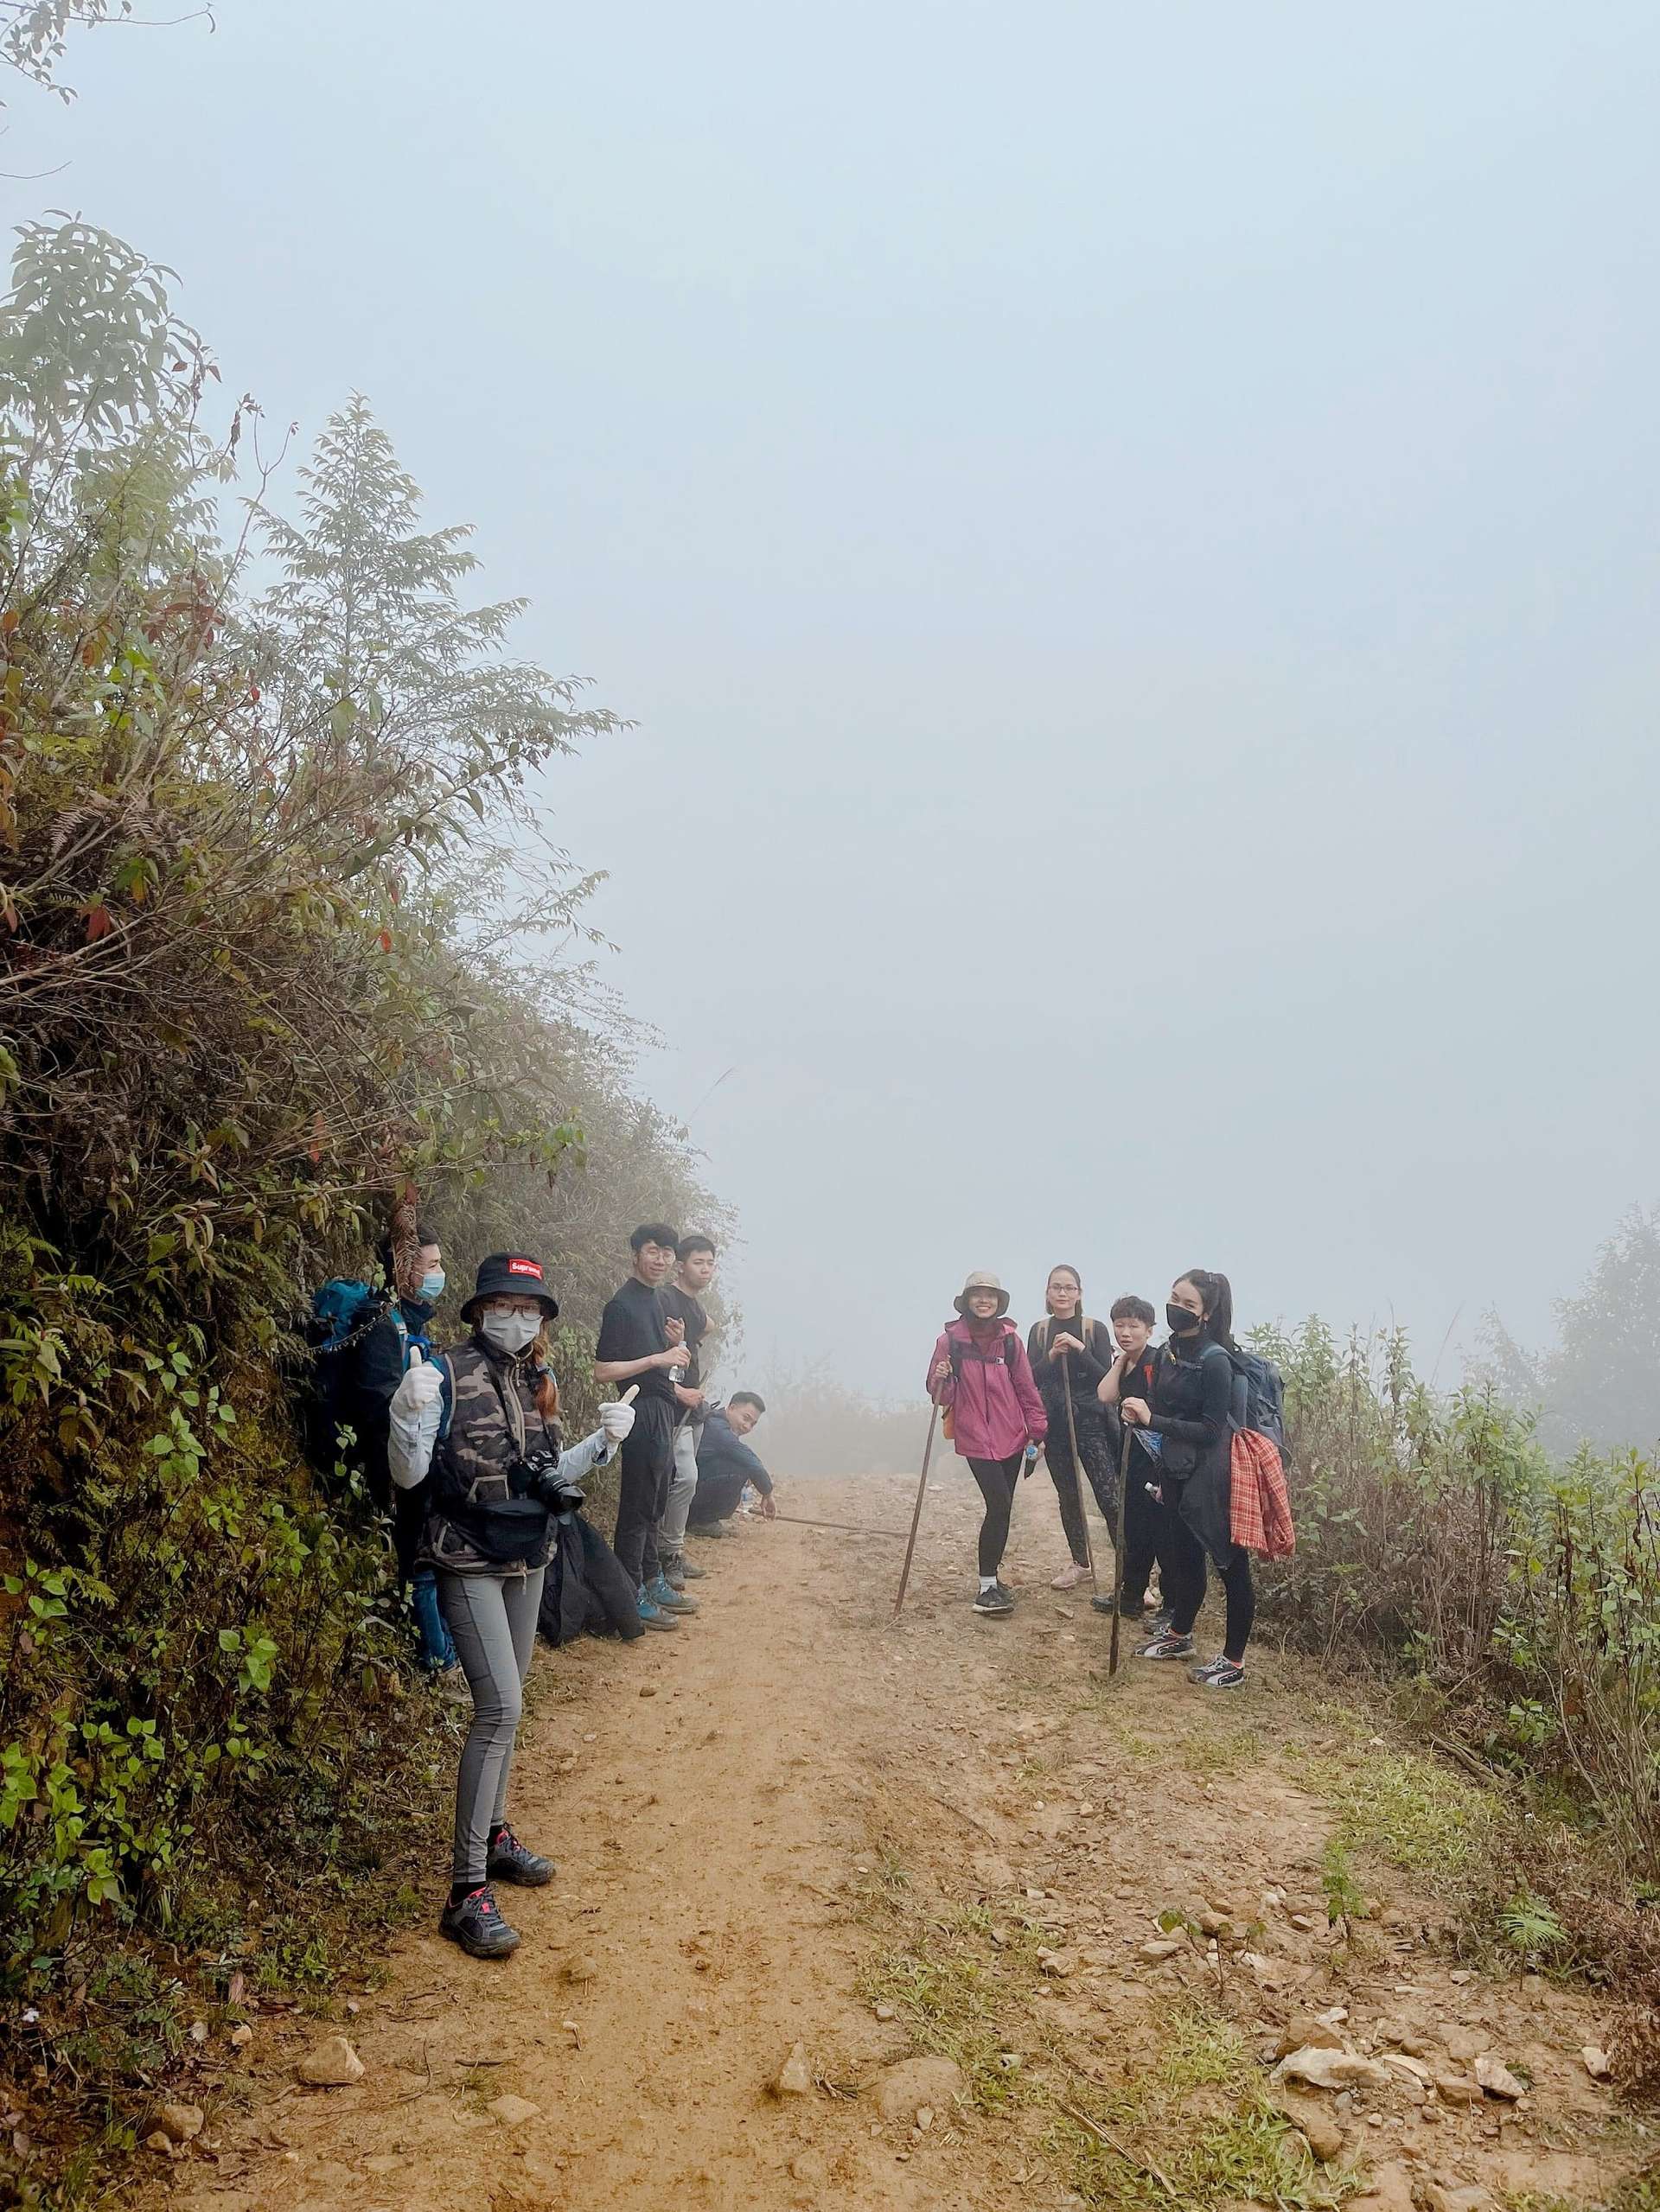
column 639, row 1344
column 1147, row 1536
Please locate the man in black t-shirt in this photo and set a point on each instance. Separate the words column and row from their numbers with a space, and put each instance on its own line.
column 695, row 1271
column 638, row 1343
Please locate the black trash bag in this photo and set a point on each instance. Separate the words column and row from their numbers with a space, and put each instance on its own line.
column 587, row 1591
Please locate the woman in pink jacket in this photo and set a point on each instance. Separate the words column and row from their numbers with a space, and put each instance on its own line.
column 980, row 1374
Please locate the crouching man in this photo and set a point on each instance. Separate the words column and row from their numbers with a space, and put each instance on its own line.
column 725, row 1464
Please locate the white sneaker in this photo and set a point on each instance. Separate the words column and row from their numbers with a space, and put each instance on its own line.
column 1070, row 1576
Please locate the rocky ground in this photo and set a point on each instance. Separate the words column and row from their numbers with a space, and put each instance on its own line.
column 850, row 1916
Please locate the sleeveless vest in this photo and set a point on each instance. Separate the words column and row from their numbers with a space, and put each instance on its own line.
column 481, row 1520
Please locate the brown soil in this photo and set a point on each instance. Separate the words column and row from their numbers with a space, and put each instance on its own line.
column 792, row 1823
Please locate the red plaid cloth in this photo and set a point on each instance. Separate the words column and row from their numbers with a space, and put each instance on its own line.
column 1260, row 1511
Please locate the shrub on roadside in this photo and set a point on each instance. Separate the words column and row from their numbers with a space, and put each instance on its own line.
column 1518, row 1601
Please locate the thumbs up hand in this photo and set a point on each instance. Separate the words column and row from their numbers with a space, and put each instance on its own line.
column 422, row 1386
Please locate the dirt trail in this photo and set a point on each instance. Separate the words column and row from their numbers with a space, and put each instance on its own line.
column 790, row 1823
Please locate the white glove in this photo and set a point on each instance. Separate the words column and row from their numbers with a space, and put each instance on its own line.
column 422, row 1386
column 616, row 1420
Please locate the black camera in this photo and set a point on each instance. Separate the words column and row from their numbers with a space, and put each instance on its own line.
column 539, row 1475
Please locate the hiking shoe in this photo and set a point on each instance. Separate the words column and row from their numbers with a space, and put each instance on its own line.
column 476, row 1924
column 1070, row 1576
column 510, row 1861
column 667, row 1599
column 449, row 1682
column 680, row 1570
column 653, row 1617
column 1168, row 1646
column 996, row 1600
column 708, row 1528
column 673, row 1573
column 1220, row 1674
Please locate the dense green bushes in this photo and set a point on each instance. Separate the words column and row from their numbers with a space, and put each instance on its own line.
column 277, row 891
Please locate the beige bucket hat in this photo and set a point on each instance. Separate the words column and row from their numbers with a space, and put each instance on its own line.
column 979, row 1280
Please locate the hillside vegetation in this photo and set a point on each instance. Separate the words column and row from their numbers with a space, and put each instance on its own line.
column 285, row 938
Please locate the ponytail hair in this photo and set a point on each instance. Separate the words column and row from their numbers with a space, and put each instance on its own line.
column 1218, row 1295
column 545, row 1391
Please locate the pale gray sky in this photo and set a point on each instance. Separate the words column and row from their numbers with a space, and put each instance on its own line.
column 1130, row 535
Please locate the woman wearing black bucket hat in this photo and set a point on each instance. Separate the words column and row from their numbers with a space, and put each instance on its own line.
column 483, row 1420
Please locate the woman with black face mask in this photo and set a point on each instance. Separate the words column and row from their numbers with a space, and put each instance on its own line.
column 1191, row 1420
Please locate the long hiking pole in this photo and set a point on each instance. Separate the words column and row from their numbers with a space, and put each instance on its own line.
column 1078, row 1472
column 916, row 1517
column 1118, row 1545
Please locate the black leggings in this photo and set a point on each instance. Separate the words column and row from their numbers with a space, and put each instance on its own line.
column 1147, row 1541
column 1184, row 1579
column 997, row 1479
column 1099, row 1470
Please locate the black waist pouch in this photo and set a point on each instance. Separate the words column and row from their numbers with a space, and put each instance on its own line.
column 507, row 1531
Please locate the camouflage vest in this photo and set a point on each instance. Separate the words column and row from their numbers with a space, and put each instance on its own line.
column 481, row 1521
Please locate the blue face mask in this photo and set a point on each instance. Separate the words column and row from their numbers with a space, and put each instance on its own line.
column 433, row 1286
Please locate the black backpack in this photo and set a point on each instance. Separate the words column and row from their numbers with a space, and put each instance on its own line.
column 343, row 1313
column 1259, row 1399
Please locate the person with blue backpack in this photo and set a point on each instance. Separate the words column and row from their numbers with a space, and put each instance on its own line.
column 1189, row 1424
column 363, row 1336
column 478, row 1427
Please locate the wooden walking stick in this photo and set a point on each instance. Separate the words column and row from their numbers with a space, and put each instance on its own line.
column 1078, row 1472
column 1118, row 1545
column 915, row 1518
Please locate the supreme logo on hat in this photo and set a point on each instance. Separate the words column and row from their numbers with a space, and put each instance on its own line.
column 525, row 1267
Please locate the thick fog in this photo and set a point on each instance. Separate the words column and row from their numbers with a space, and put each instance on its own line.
column 1129, row 537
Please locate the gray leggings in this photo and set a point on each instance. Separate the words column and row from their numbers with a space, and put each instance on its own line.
column 683, row 1487
column 493, row 1620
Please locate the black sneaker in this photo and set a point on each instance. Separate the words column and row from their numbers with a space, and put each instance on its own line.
column 476, row 1924
column 996, row 1600
column 680, row 1570
column 510, row 1861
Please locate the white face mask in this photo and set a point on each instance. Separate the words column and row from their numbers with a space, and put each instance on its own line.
column 510, row 1332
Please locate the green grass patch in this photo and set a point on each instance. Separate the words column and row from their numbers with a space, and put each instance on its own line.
column 1407, row 1811
column 1142, row 2147
column 1214, row 1753
column 952, row 1999
column 1204, row 2052
column 1193, row 2126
